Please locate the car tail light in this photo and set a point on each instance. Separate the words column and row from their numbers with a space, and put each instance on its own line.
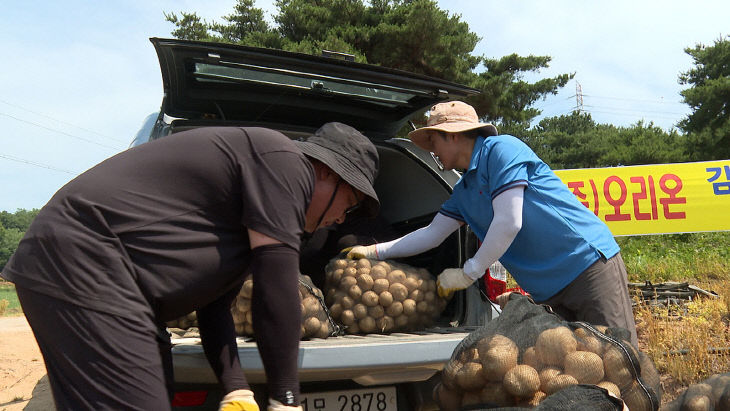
column 189, row 398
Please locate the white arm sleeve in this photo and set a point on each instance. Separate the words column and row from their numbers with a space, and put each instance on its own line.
column 506, row 223
column 420, row 240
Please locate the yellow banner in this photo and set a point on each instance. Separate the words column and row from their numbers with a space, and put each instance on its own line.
column 656, row 199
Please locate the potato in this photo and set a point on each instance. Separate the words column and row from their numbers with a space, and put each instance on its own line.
column 385, row 298
column 336, row 310
column 347, row 302
column 376, row 311
column 385, row 266
column 470, row 376
column 422, row 307
column 447, row 399
column 355, row 292
column 494, row 392
column 590, row 343
column 248, row 329
column 636, row 399
column 498, row 355
column 324, row 330
column 401, row 322
column 448, row 374
column 395, row 309
column 411, row 283
column 416, row 295
column 247, row 289
column 370, row 298
column 409, row 307
column 347, row 317
column 559, row 382
column 470, row 354
column 363, row 263
column 399, row 291
column 522, row 381
column 547, row 374
column 347, row 282
column 529, row 357
column 378, row 273
column 533, row 401
column 470, row 398
column 311, row 325
column 616, row 367
column 335, row 276
column 396, row 276
column 312, row 306
column 380, row 285
column 553, row 344
column 610, row 387
column 365, row 282
column 360, row 311
column 367, row 324
column 585, row 366
column 243, row 304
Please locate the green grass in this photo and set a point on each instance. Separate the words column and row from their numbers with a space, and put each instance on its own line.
column 9, row 304
column 677, row 257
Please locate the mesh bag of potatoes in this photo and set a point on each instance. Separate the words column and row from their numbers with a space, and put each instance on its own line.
column 710, row 394
column 184, row 322
column 373, row 296
column 316, row 321
column 528, row 354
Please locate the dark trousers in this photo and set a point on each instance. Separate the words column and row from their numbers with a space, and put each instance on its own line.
column 99, row 361
column 599, row 296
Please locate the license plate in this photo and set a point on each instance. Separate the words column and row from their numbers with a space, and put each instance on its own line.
column 369, row 399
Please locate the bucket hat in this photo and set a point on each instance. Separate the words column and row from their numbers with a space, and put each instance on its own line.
column 349, row 154
column 451, row 117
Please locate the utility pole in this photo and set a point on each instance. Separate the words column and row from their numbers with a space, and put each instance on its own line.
column 578, row 97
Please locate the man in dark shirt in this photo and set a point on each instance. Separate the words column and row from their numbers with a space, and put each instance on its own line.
column 171, row 227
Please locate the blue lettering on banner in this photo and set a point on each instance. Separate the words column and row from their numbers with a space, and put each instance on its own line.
column 720, row 187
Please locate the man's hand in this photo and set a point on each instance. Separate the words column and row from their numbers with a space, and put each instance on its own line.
column 451, row 280
column 361, row 251
column 277, row 406
column 503, row 298
column 238, row 400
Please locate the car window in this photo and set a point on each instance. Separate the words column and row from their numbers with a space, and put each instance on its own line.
column 229, row 72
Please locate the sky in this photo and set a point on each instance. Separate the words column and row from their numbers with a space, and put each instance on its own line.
column 79, row 77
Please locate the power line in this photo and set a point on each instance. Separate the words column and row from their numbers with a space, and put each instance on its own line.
column 635, row 99
column 61, row 121
column 61, row 132
column 33, row 163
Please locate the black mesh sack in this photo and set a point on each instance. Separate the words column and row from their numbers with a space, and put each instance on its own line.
column 528, row 354
column 710, row 394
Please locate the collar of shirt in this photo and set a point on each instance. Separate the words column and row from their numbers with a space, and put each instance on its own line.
column 476, row 154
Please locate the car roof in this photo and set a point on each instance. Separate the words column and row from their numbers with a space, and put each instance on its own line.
column 241, row 84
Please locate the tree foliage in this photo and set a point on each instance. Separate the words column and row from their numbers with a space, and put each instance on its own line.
column 576, row 141
column 12, row 229
column 708, row 126
column 411, row 35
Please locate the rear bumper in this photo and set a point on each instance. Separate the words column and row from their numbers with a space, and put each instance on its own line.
column 367, row 360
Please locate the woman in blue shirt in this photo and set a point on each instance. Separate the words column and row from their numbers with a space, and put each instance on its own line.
column 526, row 218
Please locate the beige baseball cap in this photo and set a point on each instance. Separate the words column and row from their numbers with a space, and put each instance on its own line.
column 451, row 117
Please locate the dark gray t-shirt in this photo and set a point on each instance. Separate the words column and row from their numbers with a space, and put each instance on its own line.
column 162, row 228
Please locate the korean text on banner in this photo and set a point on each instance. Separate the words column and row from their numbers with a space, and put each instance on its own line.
column 656, row 199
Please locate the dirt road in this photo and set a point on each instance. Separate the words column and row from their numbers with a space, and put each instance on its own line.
column 23, row 381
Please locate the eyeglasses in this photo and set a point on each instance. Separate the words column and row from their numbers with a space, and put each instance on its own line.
column 355, row 207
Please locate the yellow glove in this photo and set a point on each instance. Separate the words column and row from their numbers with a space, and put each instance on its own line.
column 361, row 251
column 277, row 406
column 238, row 400
column 451, row 280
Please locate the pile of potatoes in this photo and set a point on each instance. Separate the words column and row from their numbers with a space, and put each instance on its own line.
column 497, row 370
column 184, row 322
column 711, row 394
column 316, row 322
column 372, row 296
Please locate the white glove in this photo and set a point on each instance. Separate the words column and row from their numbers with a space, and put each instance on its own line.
column 452, row 279
column 277, row 406
column 362, row 251
column 238, row 400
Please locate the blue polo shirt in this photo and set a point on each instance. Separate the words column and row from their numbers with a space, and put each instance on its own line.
column 559, row 238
